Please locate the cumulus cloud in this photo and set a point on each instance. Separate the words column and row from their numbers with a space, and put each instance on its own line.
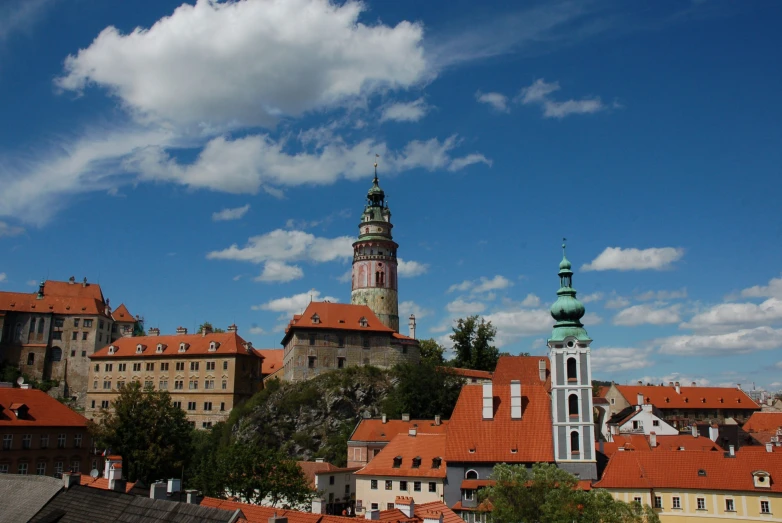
column 346, row 276
column 235, row 213
column 647, row 314
column 772, row 290
column 404, row 111
column 742, row 341
column 409, row 269
column 457, row 164
column 3, row 277
column 732, row 315
column 256, row 330
column 539, row 94
column 498, row 101
column 515, row 324
column 531, row 301
column 684, row 379
column 617, row 258
column 466, row 308
column 279, row 272
column 295, row 304
column 662, row 295
column 287, row 57
column 483, row 284
column 616, row 302
column 9, row 230
column 595, row 296
column 616, row 359
column 406, row 308
column 284, row 245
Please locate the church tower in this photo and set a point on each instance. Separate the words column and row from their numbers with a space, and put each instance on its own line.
column 374, row 260
column 571, row 381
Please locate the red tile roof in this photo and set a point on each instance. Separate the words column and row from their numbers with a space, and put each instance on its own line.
column 122, row 314
column 229, row 343
column 341, row 316
column 763, row 422
column 272, row 360
column 473, row 439
column 376, row 430
column 310, row 468
column 476, row 483
column 686, row 442
column 23, row 302
column 640, row 443
column 424, row 446
column 627, row 441
column 666, row 397
column 102, row 483
column 468, row 373
column 680, row 470
column 43, row 410
column 260, row 514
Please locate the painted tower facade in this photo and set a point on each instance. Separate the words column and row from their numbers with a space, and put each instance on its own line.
column 571, row 381
column 374, row 260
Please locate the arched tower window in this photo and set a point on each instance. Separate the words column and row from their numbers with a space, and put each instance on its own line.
column 56, row 354
column 32, row 325
column 572, row 374
column 471, row 474
column 575, row 447
column 18, row 332
column 572, row 405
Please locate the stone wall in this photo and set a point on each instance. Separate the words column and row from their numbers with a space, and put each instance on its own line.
column 383, row 302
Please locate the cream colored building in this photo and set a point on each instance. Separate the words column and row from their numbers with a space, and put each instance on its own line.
column 692, row 486
column 207, row 374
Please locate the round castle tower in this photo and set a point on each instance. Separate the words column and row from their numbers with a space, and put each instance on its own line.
column 374, row 260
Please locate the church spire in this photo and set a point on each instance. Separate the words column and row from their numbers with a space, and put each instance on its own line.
column 567, row 310
column 376, row 197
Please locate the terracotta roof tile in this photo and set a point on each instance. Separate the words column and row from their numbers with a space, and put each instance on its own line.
column 24, row 302
column 476, row 483
column 468, row 373
column 43, row 410
column 523, row 368
column 228, row 343
column 686, row 442
column 763, row 422
column 666, row 397
column 272, row 360
column 449, row 516
column 310, row 468
column 122, row 314
column 376, row 430
column 260, row 514
column 691, row 470
column 337, row 316
column 102, row 483
column 427, row 447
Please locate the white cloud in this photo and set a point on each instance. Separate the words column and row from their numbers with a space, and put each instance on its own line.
column 614, row 359
column 531, row 301
column 727, row 315
column 466, row 308
column 283, row 245
column 595, row 296
column 279, row 272
column 465, row 161
column 3, row 277
column 235, row 213
column 647, row 314
column 9, row 230
column 20, row 15
column 32, row 283
column 465, row 285
column 515, row 324
column 237, row 277
column 404, row 111
column 295, row 304
column 772, row 290
column 617, row 258
column 684, row 379
column 497, row 283
column 662, row 295
column 409, row 269
column 616, row 302
column 539, row 94
column 256, row 330
column 742, row 341
column 778, row 365
column 498, row 101
column 591, row 318
column 287, row 57
column 346, row 277
column 406, row 308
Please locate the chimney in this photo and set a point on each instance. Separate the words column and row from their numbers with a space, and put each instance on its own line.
column 107, row 464
column 157, row 490
column 714, row 431
column 174, row 485
column 412, row 326
column 118, row 485
column 115, row 472
column 71, row 280
column 640, row 382
column 384, row 418
column 614, row 429
column 233, row 328
column 653, row 439
column 320, row 460
column 437, row 421
column 515, row 399
column 181, row 330
column 40, row 290
column 488, row 400
column 406, row 504
column 769, row 447
column 405, row 417
column 412, row 432
column 206, row 329
column 694, row 384
column 153, row 331
column 192, row 497
column 373, row 514
column 678, row 388
column 84, row 282
column 670, row 384
column 732, row 451
column 639, row 398
column 433, row 516
column 70, row 479
column 694, row 431
column 277, row 519
column 542, row 370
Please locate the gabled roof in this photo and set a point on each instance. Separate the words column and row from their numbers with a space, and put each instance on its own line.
column 763, row 422
column 419, row 513
column 680, row 470
column 228, row 343
column 502, row 439
column 310, row 468
column 641, row 443
column 427, row 447
column 686, row 442
column 59, row 298
column 666, row 397
column 102, row 483
column 342, row 316
column 468, row 373
column 42, row 410
column 24, row 495
column 73, row 290
column 122, row 314
column 375, row 430
column 272, row 360
column 260, row 514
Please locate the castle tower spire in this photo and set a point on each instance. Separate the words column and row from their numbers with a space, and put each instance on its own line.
column 374, row 274
column 571, row 380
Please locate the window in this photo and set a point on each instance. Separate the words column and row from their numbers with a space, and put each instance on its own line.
column 312, row 339
column 436, row 462
column 109, row 367
column 8, row 440
column 73, row 353
column 100, row 324
column 179, row 385
column 193, row 385
column 164, row 366
column 432, row 486
column 373, row 484
column 224, row 385
column 416, row 486
column 57, row 467
column 32, row 325
column 122, row 367
column 340, row 341
column 209, row 384
column 403, row 485
column 374, row 506
column 222, row 406
column 177, row 404
column 729, row 506
column 210, row 365
column 701, row 503
column 311, row 361
column 40, row 469
column 84, row 354
column 340, row 363
column 59, row 322
column 162, row 384
column 572, row 369
column 22, row 468
column 655, row 423
column 27, row 441
column 765, row 508
column 574, row 442
column 75, row 322
column 77, row 441
column 225, row 365
column 206, row 425
column 417, row 462
column 180, row 365
column 120, row 385
column 57, row 335
column 150, row 367
column 389, row 484
column 31, row 358
column 137, row 367
column 191, row 405
column 468, row 494
column 397, row 462
column 572, row 405
column 74, row 335
column 637, row 425
column 471, row 474
column 106, row 384
column 149, row 384
column 61, row 441
column 365, row 342
column 207, row 405
column 331, row 480
column 637, row 500
column 347, row 490
column 83, row 336
column 93, row 404
column 193, row 365
column 390, row 506
column 44, row 441
column 87, row 324
column 75, row 466
column 104, row 404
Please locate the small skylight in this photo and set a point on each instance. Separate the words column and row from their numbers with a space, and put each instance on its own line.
column 701, row 472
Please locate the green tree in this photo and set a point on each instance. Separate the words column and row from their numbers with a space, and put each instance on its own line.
column 596, row 384
column 209, row 326
column 547, row 494
column 472, row 341
column 200, row 472
column 423, row 391
column 148, row 431
column 259, row 474
column 432, row 352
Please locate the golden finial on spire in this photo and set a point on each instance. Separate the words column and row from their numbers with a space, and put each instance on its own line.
column 376, row 157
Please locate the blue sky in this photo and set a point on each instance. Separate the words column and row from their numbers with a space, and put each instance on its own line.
column 209, row 161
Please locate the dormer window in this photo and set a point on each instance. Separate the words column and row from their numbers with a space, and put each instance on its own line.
column 112, row 349
column 315, row 319
column 397, row 462
column 436, row 462
column 140, row 348
column 701, row 472
column 761, row 479
column 183, row 347
column 363, row 322
column 416, row 462
column 160, row 348
column 213, row 345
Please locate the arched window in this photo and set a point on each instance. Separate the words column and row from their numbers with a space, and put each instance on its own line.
column 571, row 370
column 56, row 354
column 575, row 447
column 471, row 474
column 572, row 405
column 39, row 335
column 18, row 332
column 32, row 325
